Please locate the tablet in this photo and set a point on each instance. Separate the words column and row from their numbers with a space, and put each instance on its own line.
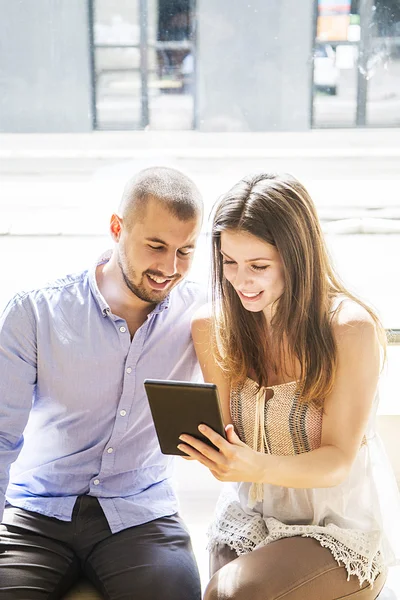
column 180, row 407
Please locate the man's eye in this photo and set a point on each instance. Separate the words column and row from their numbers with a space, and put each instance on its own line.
column 185, row 253
column 156, row 247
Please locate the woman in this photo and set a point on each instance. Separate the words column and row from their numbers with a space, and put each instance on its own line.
column 296, row 359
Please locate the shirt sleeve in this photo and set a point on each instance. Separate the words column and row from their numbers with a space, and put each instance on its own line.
column 17, row 382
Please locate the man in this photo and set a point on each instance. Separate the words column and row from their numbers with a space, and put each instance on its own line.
column 89, row 490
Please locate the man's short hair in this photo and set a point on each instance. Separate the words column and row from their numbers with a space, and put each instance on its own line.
column 175, row 190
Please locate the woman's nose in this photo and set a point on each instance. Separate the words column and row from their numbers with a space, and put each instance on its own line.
column 243, row 277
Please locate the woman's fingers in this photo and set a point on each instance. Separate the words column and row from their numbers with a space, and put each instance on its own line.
column 196, row 455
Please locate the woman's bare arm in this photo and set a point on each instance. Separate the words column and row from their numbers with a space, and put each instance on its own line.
column 212, row 373
column 346, row 414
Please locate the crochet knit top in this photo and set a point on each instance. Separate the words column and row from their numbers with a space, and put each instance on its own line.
column 357, row 520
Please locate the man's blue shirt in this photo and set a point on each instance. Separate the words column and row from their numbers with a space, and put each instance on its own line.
column 74, row 417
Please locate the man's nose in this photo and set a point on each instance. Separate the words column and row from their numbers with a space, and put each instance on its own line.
column 169, row 264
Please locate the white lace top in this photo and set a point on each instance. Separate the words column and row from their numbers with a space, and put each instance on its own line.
column 358, row 520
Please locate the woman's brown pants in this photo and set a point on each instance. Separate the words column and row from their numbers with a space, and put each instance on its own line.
column 294, row 568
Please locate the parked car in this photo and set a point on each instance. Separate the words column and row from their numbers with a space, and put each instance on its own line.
column 326, row 73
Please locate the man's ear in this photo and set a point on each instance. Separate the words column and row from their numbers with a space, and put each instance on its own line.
column 116, row 227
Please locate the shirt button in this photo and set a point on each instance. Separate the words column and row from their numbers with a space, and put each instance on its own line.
column 122, row 413
column 110, row 450
column 122, row 329
column 96, row 481
column 129, row 370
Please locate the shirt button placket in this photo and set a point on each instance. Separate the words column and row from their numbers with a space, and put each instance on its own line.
column 133, row 356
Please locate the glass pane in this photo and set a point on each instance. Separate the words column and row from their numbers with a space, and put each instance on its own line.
column 335, row 85
column 131, row 94
column 117, row 69
column 336, row 78
column 172, row 107
column 118, row 88
column 383, row 108
column 116, row 22
column 335, row 65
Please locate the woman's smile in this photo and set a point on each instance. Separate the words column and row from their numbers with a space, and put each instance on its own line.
column 250, row 296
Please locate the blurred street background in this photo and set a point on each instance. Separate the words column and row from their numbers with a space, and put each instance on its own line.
column 91, row 91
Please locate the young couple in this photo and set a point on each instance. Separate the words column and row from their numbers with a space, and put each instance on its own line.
column 296, row 358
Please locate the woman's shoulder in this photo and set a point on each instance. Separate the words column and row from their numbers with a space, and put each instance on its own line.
column 351, row 320
column 203, row 315
column 202, row 320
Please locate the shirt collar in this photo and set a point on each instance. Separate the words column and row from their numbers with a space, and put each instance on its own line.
column 162, row 306
column 104, row 307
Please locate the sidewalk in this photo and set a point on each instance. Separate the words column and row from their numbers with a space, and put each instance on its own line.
column 319, row 143
column 66, row 184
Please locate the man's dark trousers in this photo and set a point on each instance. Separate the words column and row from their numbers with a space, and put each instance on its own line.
column 42, row 557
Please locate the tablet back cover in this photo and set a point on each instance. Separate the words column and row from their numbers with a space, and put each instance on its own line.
column 180, row 407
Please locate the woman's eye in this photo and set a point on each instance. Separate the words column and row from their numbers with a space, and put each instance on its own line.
column 228, row 262
column 259, row 267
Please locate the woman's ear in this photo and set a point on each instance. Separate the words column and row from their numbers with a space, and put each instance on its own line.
column 115, row 227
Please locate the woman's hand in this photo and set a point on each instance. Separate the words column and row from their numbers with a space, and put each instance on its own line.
column 235, row 461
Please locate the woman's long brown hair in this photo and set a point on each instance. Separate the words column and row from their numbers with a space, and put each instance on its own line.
column 279, row 210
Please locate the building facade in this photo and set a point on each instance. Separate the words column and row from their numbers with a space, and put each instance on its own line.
column 210, row 65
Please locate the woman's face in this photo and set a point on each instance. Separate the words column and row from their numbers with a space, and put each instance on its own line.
column 255, row 270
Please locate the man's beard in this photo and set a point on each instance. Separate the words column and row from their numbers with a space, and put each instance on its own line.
column 152, row 297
